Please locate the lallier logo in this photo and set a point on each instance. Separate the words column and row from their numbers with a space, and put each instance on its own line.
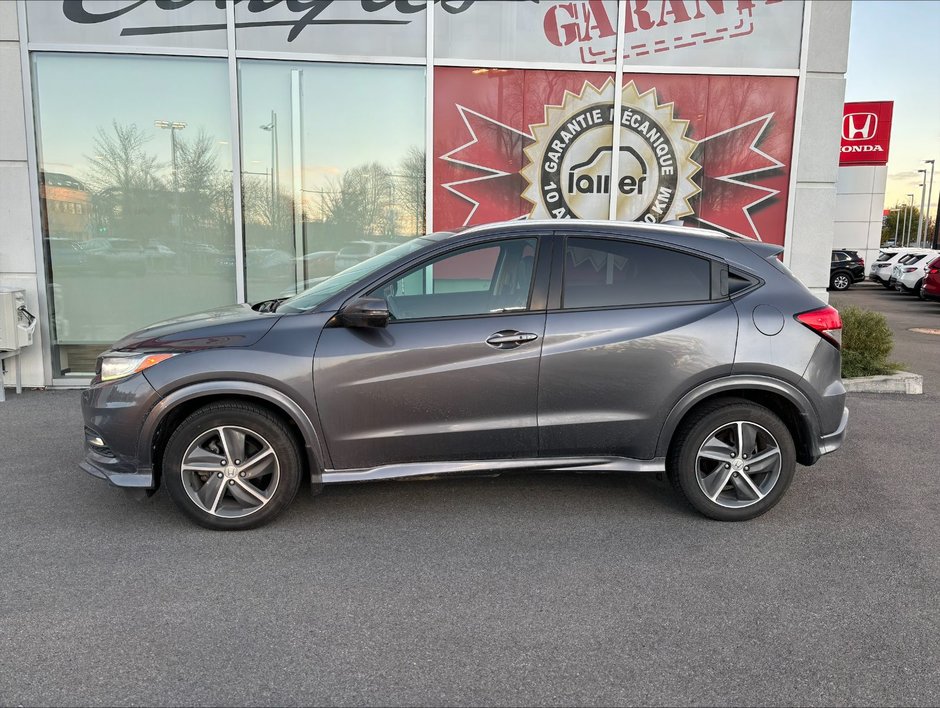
column 663, row 172
column 569, row 170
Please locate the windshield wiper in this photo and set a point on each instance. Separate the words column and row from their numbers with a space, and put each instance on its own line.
column 268, row 305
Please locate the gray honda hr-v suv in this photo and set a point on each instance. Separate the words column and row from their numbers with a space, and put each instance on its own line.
column 514, row 346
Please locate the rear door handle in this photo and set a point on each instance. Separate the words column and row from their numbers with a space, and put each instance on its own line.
column 510, row 339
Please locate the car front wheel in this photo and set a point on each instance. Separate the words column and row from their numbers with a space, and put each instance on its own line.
column 232, row 466
column 732, row 460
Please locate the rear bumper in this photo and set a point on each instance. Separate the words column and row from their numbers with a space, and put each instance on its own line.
column 833, row 441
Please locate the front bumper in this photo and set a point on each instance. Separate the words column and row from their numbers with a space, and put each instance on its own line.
column 114, row 413
column 833, row 441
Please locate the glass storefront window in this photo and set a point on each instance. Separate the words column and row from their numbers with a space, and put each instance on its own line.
column 333, row 168
column 136, row 195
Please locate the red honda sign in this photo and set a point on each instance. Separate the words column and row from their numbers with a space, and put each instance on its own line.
column 866, row 133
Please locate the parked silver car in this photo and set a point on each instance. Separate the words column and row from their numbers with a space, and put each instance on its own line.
column 521, row 345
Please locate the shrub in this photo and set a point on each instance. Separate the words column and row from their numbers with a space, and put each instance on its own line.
column 866, row 343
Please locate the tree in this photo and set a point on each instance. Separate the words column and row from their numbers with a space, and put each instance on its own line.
column 908, row 220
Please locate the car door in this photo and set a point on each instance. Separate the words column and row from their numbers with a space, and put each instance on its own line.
column 454, row 375
column 631, row 327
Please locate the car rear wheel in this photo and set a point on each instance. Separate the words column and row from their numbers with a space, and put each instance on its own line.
column 840, row 281
column 732, row 460
column 231, row 466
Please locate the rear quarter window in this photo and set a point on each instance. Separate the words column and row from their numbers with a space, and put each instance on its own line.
column 612, row 273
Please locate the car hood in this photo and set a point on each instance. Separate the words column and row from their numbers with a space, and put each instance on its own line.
column 233, row 326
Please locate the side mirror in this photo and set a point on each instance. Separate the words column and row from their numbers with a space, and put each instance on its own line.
column 364, row 312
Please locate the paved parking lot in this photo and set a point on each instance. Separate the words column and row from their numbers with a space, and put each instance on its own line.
column 555, row 589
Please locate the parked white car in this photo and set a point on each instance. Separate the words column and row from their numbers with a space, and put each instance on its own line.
column 909, row 273
column 883, row 266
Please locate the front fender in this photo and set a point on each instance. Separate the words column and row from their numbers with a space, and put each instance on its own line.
column 732, row 385
column 158, row 413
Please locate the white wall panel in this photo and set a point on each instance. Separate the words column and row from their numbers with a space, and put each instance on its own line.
column 12, row 120
column 855, row 180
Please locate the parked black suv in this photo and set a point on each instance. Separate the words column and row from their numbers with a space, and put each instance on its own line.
column 847, row 267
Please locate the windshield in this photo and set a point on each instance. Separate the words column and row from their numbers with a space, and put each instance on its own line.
column 325, row 289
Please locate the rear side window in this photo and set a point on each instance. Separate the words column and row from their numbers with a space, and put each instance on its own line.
column 609, row 273
column 883, row 256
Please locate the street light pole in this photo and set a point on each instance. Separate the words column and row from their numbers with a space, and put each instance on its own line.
column 173, row 126
column 920, row 216
column 897, row 220
column 908, row 220
column 929, row 198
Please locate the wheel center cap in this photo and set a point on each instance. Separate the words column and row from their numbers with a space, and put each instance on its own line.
column 231, row 471
column 737, row 465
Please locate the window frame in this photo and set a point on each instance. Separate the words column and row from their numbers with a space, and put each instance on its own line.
column 535, row 303
column 556, row 298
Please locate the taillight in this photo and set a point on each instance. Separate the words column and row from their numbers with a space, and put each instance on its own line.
column 825, row 322
column 910, row 270
column 861, row 261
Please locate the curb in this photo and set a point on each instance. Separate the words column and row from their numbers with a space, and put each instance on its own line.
column 901, row 382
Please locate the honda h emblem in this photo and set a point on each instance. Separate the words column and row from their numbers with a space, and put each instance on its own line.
column 859, row 126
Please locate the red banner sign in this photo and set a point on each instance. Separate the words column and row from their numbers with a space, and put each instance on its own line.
column 707, row 150
column 866, row 133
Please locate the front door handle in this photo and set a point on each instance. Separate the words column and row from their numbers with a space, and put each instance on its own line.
column 510, row 339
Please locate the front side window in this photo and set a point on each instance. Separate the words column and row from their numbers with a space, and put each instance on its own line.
column 487, row 279
column 611, row 273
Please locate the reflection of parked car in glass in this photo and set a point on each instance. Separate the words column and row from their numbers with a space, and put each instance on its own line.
column 266, row 260
column 65, row 252
column 159, row 255
column 320, row 263
column 118, row 256
column 358, row 251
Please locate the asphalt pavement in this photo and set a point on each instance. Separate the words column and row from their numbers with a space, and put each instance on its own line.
column 558, row 589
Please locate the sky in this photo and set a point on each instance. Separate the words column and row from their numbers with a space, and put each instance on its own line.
column 894, row 55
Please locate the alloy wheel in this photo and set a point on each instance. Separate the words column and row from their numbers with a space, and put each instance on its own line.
column 841, row 282
column 738, row 464
column 230, row 471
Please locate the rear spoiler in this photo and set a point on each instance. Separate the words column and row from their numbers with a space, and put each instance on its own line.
column 764, row 250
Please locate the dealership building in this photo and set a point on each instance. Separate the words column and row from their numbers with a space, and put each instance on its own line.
column 160, row 158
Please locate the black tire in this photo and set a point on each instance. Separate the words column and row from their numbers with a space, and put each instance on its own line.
column 259, row 421
column 840, row 280
column 886, row 285
column 917, row 289
column 681, row 461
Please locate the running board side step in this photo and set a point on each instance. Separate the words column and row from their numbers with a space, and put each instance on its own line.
column 425, row 469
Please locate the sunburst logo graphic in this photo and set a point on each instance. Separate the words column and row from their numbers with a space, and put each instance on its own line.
column 569, row 170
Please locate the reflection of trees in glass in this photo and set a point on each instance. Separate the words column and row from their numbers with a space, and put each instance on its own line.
column 371, row 200
column 133, row 198
column 272, row 219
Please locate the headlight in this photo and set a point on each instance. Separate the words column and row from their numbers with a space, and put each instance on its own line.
column 117, row 366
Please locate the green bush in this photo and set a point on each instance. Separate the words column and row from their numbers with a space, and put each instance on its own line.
column 866, row 343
